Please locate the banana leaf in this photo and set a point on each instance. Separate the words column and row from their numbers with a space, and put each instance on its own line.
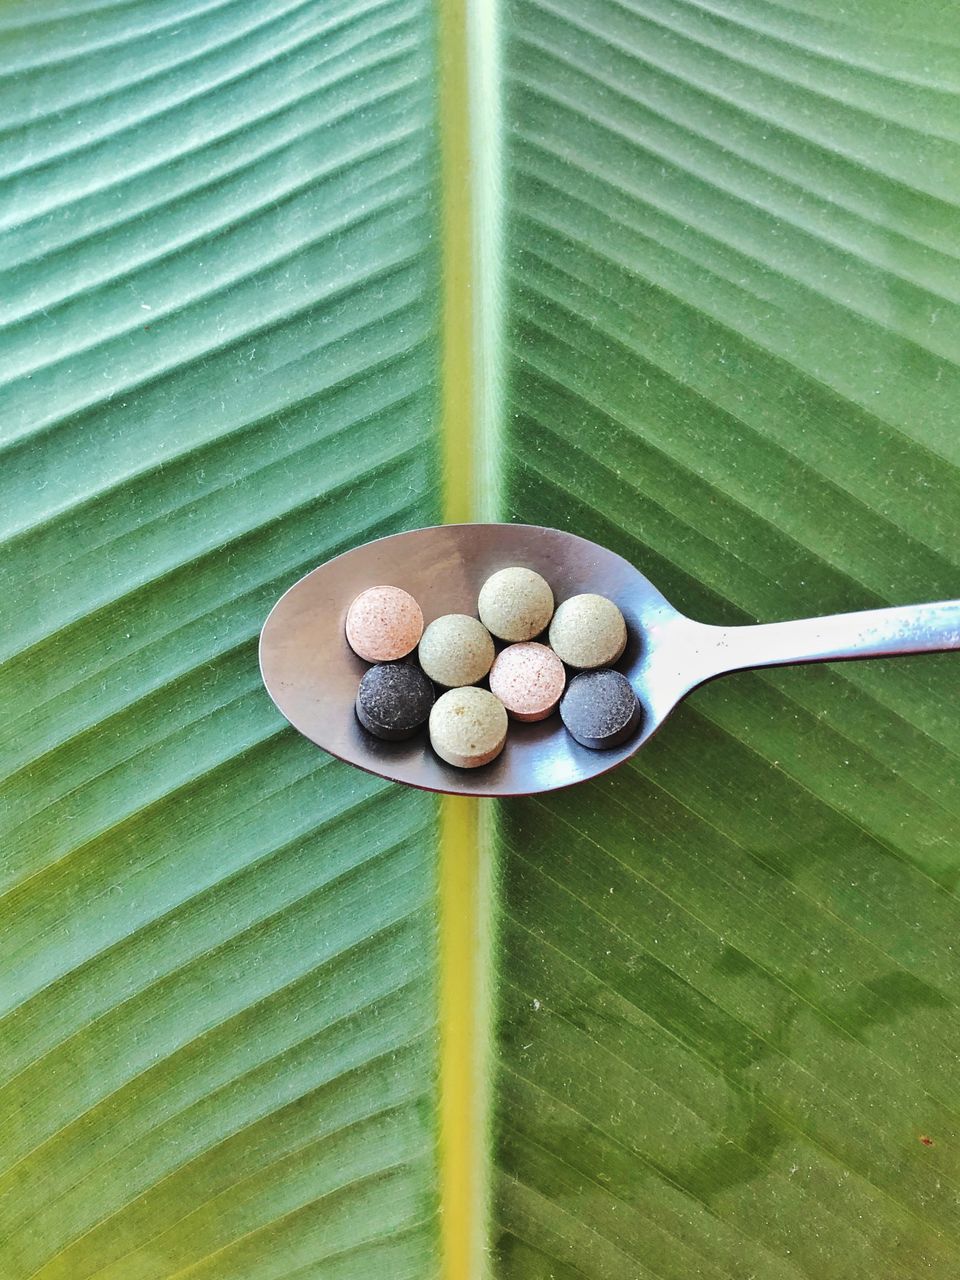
column 728, row 1034
column 706, row 275
column 219, row 351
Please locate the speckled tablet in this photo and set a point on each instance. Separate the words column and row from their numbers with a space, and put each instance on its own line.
column 383, row 624
column 468, row 727
column 588, row 631
column 394, row 700
column 456, row 650
column 600, row 709
column 515, row 604
column 528, row 679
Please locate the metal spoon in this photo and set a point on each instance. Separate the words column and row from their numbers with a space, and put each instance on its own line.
column 312, row 675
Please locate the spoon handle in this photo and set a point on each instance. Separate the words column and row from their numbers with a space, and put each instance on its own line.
column 874, row 633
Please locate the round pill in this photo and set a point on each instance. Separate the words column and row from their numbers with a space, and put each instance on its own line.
column 515, row 604
column 528, row 679
column 588, row 631
column 456, row 650
column 394, row 700
column 383, row 624
column 468, row 727
column 600, row 709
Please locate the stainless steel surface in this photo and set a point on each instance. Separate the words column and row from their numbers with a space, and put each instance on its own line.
column 312, row 675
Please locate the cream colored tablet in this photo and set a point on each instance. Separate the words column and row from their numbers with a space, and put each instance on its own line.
column 515, row 604
column 468, row 727
column 456, row 650
column 588, row 631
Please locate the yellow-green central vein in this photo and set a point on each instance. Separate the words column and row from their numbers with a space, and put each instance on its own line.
column 468, row 126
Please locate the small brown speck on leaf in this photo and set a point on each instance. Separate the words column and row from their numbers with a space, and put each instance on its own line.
column 927, row 1142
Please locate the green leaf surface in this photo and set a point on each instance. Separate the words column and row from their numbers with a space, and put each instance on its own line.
column 729, row 976
column 725, row 275
column 218, row 359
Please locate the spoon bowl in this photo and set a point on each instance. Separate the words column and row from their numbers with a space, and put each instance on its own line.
column 312, row 674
